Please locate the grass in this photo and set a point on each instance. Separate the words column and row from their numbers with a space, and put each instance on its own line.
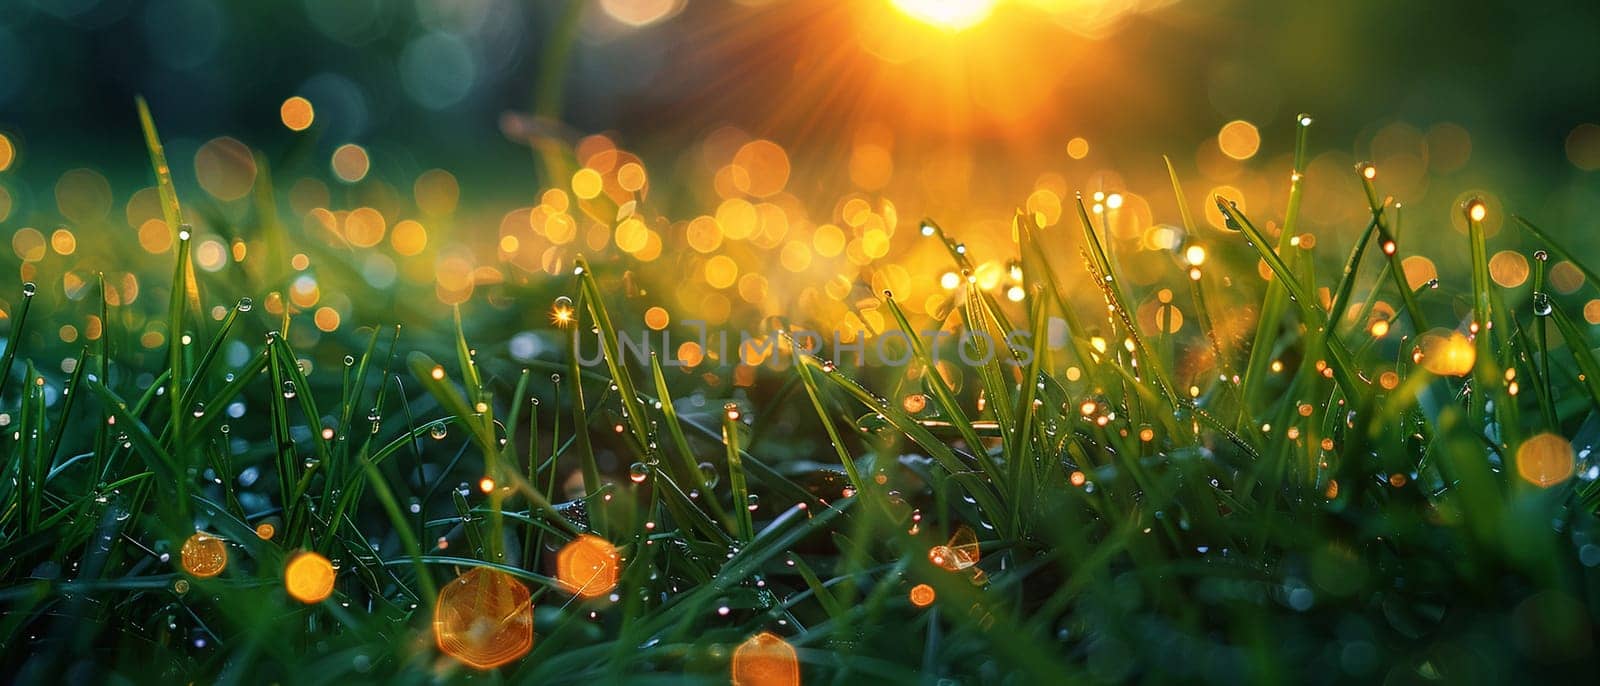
column 1317, row 503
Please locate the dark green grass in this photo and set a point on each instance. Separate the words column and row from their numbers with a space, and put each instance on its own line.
column 1204, row 542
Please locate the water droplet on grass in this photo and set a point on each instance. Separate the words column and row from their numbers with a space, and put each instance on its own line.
column 1541, row 304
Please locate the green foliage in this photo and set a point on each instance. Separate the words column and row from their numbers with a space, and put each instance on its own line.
column 1337, row 512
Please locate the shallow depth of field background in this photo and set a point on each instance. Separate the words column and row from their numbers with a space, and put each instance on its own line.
column 967, row 122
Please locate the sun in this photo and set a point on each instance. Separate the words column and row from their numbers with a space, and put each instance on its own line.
column 950, row 15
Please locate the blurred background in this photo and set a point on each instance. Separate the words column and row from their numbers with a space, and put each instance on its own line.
column 779, row 152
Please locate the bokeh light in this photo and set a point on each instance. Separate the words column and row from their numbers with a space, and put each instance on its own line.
column 1239, row 139
column 587, row 566
column 1447, row 353
column 484, row 618
column 297, row 113
column 309, row 577
column 350, row 163
column 1545, row 460
column 765, row 659
column 204, row 555
column 225, row 168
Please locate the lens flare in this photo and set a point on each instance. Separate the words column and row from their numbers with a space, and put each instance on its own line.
column 950, row 15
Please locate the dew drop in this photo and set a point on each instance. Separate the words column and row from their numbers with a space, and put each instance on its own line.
column 1541, row 304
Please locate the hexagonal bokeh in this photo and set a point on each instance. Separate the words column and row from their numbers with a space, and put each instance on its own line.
column 484, row 618
column 587, row 566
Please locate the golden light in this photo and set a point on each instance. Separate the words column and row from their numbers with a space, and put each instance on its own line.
column 297, row 113
column 922, row 595
column 657, row 318
column 1447, row 353
column 587, row 183
column 1545, row 460
column 1239, row 139
column 265, row 531
column 587, row 566
column 326, row 319
column 484, row 618
column 950, row 15
column 1195, row 255
column 486, row 485
column 8, row 152
column 1477, row 210
column 1508, row 268
column 351, row 163
column 960, row 553
column 309, row 577
column 765, row 660
column 640, row 12
column 561, row 315
column 204, row 555
column 1078, row 148
column 408, row 238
